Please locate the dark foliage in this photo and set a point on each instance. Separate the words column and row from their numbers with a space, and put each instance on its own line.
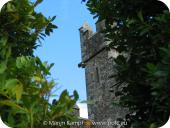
column 141, row 36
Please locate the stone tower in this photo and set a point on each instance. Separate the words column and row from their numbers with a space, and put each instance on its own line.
column 99, row 67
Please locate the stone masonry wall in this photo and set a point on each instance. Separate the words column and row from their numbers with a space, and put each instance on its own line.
column 98, row 70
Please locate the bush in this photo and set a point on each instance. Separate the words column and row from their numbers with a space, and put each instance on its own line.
column 25, row 86
column 142, row 32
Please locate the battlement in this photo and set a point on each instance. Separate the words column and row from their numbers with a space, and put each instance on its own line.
column 91, row 43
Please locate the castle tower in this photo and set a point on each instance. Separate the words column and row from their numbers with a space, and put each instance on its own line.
column 99, row 67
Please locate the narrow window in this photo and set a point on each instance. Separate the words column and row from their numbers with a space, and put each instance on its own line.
column 97, row 75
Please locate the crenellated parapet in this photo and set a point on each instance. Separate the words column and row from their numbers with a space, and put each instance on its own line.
column 91, row 42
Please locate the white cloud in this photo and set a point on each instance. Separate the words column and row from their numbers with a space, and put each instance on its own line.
column 83, row 110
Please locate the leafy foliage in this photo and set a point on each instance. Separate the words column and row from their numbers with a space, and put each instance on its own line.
column 139, row 31
column 25, row 84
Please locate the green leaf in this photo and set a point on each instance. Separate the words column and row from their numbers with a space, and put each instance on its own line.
column 31, row 17
column 11, row 83
column 63, row 95
column 53, row 18
column 39, row 79
column 19, row 91
column 12, row 104
column 3, row 40
column 10, row 7
column 144, row 31
column 18, row 63
column 76, row 96
column 153, row 126
column 3, row 67
column 151, row 67
column 38, row 2
column 15, row 87
column 140, row 16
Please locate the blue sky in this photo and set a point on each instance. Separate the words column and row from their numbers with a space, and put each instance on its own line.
column 63, row 46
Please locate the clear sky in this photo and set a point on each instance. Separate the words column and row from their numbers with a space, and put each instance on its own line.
column 63, row 46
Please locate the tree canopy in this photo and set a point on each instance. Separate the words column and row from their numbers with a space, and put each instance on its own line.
column 141, row 36
column 25, row 81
